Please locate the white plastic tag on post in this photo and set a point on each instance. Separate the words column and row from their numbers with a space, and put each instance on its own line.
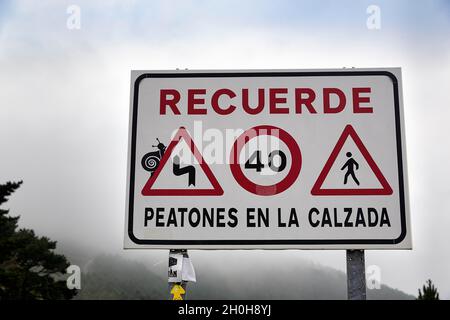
column 188, row 272
column 175, row 267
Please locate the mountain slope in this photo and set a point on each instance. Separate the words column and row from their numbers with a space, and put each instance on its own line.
column 113, row 277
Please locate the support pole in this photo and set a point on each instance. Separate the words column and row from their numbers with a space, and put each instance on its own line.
column 183, row 284
column 356, row 275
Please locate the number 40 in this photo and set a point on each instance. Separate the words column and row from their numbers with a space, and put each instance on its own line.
column 254, row 161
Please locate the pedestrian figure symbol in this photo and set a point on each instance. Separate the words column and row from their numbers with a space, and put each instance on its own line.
column 351, row 164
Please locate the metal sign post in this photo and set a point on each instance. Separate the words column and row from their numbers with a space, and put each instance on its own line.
column 180, row 272
column 356, row 275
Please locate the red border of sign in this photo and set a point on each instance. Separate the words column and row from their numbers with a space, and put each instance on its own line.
column 183, row 134
column 317, row 188
column 249, row 185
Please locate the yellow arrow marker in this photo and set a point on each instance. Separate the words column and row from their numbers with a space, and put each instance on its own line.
column 177, row 291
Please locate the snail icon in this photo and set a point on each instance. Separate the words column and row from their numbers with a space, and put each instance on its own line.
column 150, row 161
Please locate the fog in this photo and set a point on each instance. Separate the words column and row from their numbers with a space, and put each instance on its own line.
column 64, row 107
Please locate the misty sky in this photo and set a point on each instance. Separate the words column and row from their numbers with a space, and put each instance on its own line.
column 64, row 104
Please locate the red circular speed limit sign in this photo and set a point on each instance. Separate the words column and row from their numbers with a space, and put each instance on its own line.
column 254, row 161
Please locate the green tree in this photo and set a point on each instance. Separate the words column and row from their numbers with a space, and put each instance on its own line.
column 29, row 267
column 429, row 292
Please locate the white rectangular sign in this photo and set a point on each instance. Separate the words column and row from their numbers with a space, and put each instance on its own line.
column 272, row 159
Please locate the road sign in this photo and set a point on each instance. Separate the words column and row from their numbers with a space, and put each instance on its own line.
column 340, row 189
column 189, row 189
column 310, row 159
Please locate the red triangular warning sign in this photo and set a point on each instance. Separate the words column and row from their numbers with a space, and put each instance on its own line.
column 317, row 188
column 216, row 188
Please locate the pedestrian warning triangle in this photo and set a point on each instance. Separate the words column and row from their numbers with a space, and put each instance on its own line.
column 149, row 188
column 319, row 190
